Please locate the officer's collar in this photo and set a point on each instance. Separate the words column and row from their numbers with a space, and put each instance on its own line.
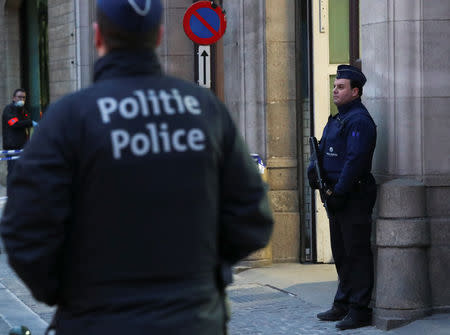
column 121, row 63
column 345, row 108
column 16, row 107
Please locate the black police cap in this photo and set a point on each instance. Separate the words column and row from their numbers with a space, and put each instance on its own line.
column 133, row 15
column 352, row 73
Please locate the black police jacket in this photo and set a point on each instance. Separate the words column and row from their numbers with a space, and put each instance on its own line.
column 15, row 125
column 129, row 201
column 347, row 147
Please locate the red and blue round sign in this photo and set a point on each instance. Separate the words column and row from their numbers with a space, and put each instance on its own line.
column 204, row 23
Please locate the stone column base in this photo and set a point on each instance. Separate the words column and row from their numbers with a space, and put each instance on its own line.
column 386, row 319
column 262, row 257
column 441, row 309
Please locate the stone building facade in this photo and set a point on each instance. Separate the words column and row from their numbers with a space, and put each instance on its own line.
column 406, row 56
column 268, row 68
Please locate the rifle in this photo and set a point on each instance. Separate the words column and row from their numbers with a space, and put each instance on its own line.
column 314, row 146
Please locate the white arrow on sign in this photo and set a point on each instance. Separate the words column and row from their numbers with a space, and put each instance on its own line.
column 204, row 66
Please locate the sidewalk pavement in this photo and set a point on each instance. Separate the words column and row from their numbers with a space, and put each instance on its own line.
column 2, row 204
column 285, row 298
column 17, row 306
column 279, row 300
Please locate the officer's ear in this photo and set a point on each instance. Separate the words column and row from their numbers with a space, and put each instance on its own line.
column 355, row 92
column 99, row 41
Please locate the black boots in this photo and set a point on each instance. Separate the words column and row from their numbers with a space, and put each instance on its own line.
column 348, row 319
column 334, row 314
column 352, row 322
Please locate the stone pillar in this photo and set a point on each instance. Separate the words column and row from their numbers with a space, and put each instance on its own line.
column 62, row 51
column 261, row 257
column 86, row 53
column 176, row 52
column 244, row 66
column 10, row 55
column 403, row 237
column 282, row 122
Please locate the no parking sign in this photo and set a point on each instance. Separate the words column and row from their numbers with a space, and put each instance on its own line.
column 204, row 22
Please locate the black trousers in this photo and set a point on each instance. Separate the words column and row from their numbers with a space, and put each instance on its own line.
column 350, row 230
column 10, row 169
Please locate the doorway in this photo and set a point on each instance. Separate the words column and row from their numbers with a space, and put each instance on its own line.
column 34, row 55
column 333, row 39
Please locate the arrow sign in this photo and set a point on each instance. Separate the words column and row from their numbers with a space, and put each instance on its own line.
column 204, row 66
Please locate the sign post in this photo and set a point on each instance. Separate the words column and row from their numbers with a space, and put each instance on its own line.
column 204, row 66
column 205, row 23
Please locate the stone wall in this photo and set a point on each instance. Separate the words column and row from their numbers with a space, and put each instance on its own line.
column 282, row 141
column 244, row 68
column 10, row 64
column 438, row 206
column 84, row 37
column 307, row 193
column 63, row 58
column 436, row 156
column 405, row 56
column 10, row 48
column 259, row 82
column 176, row 52
column 402, row 291
column 62, row 48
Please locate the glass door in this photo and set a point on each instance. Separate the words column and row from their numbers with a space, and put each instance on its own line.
column 335, row 41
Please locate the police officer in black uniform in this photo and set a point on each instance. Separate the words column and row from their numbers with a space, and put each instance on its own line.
column 135, row 195
column 16, row 124
column 346, row 151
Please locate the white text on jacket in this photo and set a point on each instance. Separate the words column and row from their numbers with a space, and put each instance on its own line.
column 155, row 138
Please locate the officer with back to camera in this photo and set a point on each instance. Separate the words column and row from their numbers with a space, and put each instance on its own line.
column 135, row 195
column 346, row 151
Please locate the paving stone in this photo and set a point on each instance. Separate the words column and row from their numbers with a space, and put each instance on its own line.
column 9, row 279
column 4, row 327
column 262, row 310
column 257, row 309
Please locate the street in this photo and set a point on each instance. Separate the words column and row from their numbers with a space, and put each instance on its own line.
column 257, row 308
column 281, row 299
column 128, row 125
column 285, row 299
column 264, row 301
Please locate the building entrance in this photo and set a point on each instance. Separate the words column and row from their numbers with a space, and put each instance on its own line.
column 34, row 55
column 335, row 40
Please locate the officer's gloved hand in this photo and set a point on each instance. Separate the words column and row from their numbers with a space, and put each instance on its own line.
column 35, row 124
column 336, row 202
column 312, row 178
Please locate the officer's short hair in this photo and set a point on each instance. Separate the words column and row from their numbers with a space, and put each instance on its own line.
column 117, row 38
column 354, row 74
column 358, row 85
column 18, row 90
